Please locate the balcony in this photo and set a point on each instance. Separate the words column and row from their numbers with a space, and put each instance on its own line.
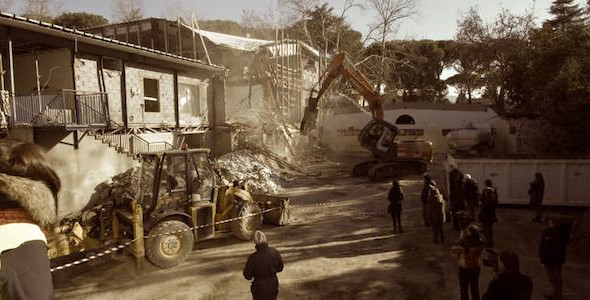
column 69, row 109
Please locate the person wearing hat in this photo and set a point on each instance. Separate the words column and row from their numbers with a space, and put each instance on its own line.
column 470, row 195
column 29, row 190
column 509, row 283
column 395, row 197
column 263, row 266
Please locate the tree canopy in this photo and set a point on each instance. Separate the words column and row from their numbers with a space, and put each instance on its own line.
column 80, row 20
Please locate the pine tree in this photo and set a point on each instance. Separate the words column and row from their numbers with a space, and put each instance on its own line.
column 565, row 13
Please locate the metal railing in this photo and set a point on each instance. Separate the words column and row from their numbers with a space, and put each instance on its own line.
column 139, row 145
column 59, row 108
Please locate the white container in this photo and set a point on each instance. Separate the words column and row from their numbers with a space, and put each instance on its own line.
column 567, row 181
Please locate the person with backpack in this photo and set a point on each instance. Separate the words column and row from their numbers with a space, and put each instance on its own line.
column 395, row 197
column 468, row 250
column 487, row 214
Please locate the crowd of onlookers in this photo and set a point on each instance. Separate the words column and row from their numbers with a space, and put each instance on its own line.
column 475, row 247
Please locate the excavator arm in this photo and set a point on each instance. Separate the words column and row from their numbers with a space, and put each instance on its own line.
column 340, row 66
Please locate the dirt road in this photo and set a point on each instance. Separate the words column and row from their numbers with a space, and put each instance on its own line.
column 342, row 249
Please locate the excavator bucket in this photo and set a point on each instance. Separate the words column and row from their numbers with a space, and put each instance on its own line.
column 310, row 116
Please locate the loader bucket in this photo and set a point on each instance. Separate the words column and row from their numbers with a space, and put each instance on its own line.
column 310, row 116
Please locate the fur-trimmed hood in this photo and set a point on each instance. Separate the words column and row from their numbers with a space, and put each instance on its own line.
column 33, row 196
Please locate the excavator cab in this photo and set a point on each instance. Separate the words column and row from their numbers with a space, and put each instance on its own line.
column 393, row 158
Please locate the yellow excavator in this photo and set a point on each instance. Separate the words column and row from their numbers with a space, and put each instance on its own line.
column 392, row 158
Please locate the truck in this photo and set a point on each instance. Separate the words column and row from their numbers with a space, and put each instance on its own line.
column 392, row 158
column 178, row 199
column 567, row 180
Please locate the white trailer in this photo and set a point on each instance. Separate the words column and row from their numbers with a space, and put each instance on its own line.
column 567, row 181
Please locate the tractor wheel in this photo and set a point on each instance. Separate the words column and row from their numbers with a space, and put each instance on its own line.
column 169, row 250
column 243, row 228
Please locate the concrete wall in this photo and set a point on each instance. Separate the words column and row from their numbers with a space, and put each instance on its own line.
column 81, row 170
column 55, row 68
column 86, row 75
column 340, row 131
column 112, row 81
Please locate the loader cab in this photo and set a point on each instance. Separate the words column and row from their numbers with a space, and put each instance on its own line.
column 171, row 180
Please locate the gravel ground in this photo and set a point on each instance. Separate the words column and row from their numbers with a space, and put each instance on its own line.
column 343, row 249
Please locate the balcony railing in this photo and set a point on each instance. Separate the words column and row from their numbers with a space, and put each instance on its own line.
column 60, row 108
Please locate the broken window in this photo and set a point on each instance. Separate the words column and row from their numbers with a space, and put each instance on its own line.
column 151, row 95
column 188, row 99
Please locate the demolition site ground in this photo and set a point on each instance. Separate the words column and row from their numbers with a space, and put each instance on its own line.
column 339, row 245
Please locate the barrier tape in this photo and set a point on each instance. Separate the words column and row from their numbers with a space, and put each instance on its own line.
column 122, row 246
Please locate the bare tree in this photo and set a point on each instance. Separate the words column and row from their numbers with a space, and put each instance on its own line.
column 348, row 4
column 298, row 10
column 41, row 10
column 127, row 10
column 390, row 13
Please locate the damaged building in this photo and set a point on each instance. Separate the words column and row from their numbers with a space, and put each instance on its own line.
column 94, row 102
column 105, row 95
column 267, row 84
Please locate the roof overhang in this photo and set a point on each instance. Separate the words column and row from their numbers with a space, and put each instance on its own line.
column 20, row 28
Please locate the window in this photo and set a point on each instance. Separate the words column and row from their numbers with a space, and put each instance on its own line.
column 151, row 95
column 188, row 99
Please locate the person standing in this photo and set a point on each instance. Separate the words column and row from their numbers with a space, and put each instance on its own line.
column 509, row 283
column 487, row 214
column 263, row 266
column 552, row 251
column 424, row 198
column 536, row 193
column 395, row 197
column 29, row 190
column 435, row 210
column 469, row 250
column 470, row 195
column 456, row 197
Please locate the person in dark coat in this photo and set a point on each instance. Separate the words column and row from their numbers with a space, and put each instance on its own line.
column 456, row 197
column 424, row 198
column 470, row 195
column 536, row 193
column 263, row 266
column 552, row 251
column 395, row 197
column 487, row 214
column 435, row 210
column 469, row 250
column 509, row 283
column 29, row 190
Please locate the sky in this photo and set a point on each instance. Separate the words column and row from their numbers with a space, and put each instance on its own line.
column 436, row 19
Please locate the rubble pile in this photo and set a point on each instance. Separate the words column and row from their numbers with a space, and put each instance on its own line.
column 263, row 174
column 121, row 188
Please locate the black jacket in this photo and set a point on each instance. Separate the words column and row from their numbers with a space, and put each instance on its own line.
column 395, row 197
column 471, row 191
column 536, row 192
column 489, row 203
column 509, row 286
column 25, row 273
column 554, row 240
column 263, row 265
